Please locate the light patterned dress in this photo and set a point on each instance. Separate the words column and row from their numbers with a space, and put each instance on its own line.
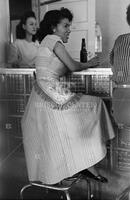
column 63, row 132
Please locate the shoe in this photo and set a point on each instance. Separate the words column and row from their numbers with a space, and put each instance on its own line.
column 98, row 178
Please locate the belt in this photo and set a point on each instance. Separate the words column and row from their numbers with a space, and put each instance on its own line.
column 122, row 86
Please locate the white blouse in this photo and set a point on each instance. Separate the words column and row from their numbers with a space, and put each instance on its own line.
column 23, row 53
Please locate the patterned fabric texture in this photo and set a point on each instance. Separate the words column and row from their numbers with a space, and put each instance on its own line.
column 120, row 61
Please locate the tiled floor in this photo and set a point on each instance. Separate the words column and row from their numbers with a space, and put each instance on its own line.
column 13, row 176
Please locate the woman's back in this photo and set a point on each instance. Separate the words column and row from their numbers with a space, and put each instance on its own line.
column 46, row 58
column 120, row 59
column 49, row 69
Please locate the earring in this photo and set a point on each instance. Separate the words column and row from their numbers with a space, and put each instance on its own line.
column 54, row 30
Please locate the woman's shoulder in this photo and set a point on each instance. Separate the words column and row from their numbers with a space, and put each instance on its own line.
column 23, row 43
column 123, row 36
column 52, row 38
column 16, row 44
column 50, row 41
column 19, row 41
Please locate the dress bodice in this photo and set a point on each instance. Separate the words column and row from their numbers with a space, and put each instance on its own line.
column 49, row 69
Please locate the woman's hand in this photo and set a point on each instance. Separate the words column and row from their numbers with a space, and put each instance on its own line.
column 94, row 62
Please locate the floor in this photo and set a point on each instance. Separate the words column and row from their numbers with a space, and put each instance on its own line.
column 13, row 176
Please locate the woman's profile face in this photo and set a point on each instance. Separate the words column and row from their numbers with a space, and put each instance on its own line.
column 63, row 30
column 30, row 27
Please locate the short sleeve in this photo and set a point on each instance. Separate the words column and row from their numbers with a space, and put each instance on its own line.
column 111, row 55
column 50, row 41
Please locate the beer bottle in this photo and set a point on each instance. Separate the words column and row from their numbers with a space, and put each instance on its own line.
column 83, row 51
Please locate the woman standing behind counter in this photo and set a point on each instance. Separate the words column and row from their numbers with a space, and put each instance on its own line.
column 120, row 61
column 22, row 52
column 63, row 132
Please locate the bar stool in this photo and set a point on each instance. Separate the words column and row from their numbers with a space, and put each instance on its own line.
column 61, row 187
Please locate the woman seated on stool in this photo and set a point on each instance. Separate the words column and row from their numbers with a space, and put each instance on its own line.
column 120, row 61
column 63, row 132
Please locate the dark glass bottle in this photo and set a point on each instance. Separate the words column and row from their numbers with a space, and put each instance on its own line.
column 83, row 52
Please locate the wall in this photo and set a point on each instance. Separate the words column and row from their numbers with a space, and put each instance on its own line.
column 18, row 7
column 4, row 30
column 83, row 25
column 111, row 15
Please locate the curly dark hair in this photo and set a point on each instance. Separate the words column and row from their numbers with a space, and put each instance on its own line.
column 51, row 19
column 128, row 15
column 20, row 32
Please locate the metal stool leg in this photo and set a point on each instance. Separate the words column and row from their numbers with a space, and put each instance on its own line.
column 22, row 190
column 89, row 193
column 89, row 189
column 67, row 195
column 65, row 189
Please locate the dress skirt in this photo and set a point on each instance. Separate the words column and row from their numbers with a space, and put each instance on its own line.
column 58, row 143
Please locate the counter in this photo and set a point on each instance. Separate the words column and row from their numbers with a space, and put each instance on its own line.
column 104, row 71
column 94, row 81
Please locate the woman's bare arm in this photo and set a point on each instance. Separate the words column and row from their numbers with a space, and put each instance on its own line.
column 73, row 65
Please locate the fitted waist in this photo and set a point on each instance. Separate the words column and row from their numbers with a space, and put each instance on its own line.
column 122, row 86
column 57, row 102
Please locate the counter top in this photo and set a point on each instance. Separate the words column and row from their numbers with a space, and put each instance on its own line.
column 90, row 71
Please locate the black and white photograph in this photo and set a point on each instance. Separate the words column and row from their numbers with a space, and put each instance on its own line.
column 64, row 100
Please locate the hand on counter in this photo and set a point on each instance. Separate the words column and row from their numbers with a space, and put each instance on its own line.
column 94, row 62
column 13, row 65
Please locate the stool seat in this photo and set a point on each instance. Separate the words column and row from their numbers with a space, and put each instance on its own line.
column 61, row 186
